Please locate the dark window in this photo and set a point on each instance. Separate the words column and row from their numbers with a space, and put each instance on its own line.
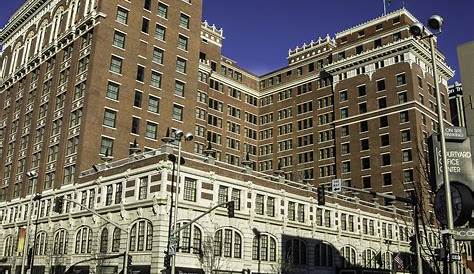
column 147, row 5
column 364, row 144
column 137, row 101
column 406, row 136
column 145, row 25
column 140, row 74
column 377, row 43
column 387, row 179
column 362, row 107
column 401, row 79
column 366, row 165
column 382, row 102
column 386, row 159
column 402, row 97
column 135, row 125
column 397, row 36
column 311, row 67
column 381, row 85
column 378, row 27
column 404, row 117
column 383, row 121
column 364, row 126
column 362, row 90
column 366, row 182
column 385, row 140
column 359, row 49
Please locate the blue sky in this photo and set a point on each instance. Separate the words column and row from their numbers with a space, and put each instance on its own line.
column 260, row 32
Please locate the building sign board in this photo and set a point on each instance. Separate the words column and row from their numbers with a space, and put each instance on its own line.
column 458, row 156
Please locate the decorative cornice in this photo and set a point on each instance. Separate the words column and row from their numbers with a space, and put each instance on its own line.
column 19, row 17
column 377, row 20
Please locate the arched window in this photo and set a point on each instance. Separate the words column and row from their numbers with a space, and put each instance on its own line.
column 116, row 240
column 228, row 243
column 141, row 236
column 323, row 255
column 186, row 242
column 83, row 240
column 369, row 259
column 104, row 240
column 41, row 243
column 8, row 247
column 295, row 252
column 265, row 246
column 60, row 242
column 348, row 255
column 387, row 258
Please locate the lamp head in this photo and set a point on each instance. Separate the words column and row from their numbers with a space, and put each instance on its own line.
column 435, row 22
column 417, row 29
column 189, row 136
column 179, row 134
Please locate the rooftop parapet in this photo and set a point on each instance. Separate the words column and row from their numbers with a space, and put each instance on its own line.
column 212, row 28
column 312, row 45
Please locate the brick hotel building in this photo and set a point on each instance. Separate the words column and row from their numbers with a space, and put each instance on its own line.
column 80, row 79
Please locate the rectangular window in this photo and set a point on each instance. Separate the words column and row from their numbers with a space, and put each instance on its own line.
column 158, row 55
column 401, row 79
column 137, row 100
column 135, row 125
column 291, row 211
column 179, row 88
column 151, row 130
column 160, row 32
column 386, row 159
column 143, row 188
column 236, row 198
column 112, row 91
column 381, row 85
column 155, row 79
column 140, row 73
column 270, row 206
column 122, row 15
column 147, row 5
column 362, row 90
column 119, row 39
column 180, row 65
column 387, row 179
column 145, row 25
column 162, row 10
column 184, row 21
column 154, row 104
column 189, row 189
column 223, row 194
column 182, row 42
column 116, row 64
column 106, row 146
column 177, row 113
column 259, row 204
column 109, row 118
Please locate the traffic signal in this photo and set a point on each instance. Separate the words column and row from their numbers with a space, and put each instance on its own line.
column 230, row 209
column 412, row 239
column 321, row 195
column 58, row 204
column 167, row 262
column 129, row 262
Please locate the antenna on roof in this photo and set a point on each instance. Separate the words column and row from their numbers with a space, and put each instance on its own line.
column 385, row 2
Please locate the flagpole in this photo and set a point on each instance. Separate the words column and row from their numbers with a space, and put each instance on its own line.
column 384, row 8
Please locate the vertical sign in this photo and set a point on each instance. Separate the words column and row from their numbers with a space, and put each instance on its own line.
column 21, row 240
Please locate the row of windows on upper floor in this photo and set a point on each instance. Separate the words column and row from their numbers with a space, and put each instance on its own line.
column 263, row 205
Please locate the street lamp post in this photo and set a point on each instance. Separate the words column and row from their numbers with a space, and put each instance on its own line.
column 31, row 175
column 178, row 137
column 435, row 23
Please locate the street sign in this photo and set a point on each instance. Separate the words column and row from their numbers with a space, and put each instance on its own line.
column 173, row 245
column 463, row 234
column 455, row 257
column 336, row 185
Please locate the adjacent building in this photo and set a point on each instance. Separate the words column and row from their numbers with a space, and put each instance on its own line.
column 466, row 65
column 456, row 105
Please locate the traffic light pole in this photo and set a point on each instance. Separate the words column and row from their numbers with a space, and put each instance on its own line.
column 125, row 258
